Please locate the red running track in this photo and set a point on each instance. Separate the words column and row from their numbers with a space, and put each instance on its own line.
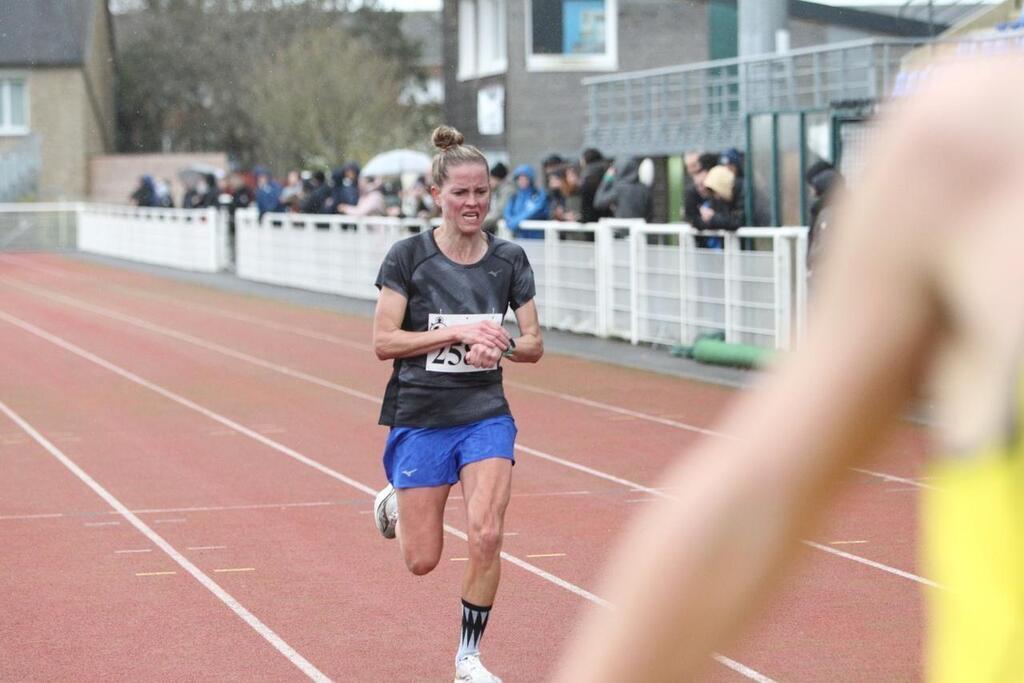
column 235, row 441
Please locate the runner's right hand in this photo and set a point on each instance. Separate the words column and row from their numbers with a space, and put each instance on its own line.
column 484, row 332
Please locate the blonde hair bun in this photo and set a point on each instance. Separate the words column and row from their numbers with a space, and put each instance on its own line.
column 446, row 137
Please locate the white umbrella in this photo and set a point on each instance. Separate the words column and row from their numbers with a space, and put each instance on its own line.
column 191, row 174
column 397, row 162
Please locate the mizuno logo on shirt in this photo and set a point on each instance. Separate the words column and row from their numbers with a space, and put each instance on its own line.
column 409, row 473
column 494, row 273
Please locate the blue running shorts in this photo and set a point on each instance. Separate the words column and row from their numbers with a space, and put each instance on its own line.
column 433, row 456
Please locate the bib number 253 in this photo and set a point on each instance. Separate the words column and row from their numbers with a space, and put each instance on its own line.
column 452, row 358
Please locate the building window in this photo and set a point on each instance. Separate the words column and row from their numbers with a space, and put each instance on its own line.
column 13, row 106
column 483, row 40
column 572, row 35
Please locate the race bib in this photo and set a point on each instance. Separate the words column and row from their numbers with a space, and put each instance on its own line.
column 453, row 358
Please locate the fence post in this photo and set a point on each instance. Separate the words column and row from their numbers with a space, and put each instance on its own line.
column 634, row 286
column 604, row 257
column 783, row 292
column 730, row 243
column 684, row 309
column 800, row 285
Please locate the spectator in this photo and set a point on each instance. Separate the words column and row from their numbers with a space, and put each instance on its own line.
column 560, row 192
column 162, row 194
column 346, row 186
column 501, row 192
column 723, row 208
column 571, row 190
column 528, row 203
column 318, row 194
column 268, row 191
column 732, row 159
column 292, row 193
column 593, row 167
column 145, row 193
column 193, row 197
column 695, row 194
column 210, row 197
column 241, row 195
column 371, row 200
column 551, row 163
column 389, row 189
column 825, row 181
column 623, row 193
column 416, row 201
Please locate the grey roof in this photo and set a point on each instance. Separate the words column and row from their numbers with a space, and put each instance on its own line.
column 44, row 32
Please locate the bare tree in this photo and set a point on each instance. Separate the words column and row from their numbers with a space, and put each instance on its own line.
column 188, row 69
column 330, row 97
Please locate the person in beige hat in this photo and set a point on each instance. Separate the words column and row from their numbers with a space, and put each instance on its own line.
column 724, row 209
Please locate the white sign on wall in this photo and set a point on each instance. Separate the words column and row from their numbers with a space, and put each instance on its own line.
column 490, row 110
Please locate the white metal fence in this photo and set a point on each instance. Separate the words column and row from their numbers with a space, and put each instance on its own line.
column 627, row 279
column 651, row 283
column 192, row 239
column 36, row 227
column 19, row 170
column 324, row 253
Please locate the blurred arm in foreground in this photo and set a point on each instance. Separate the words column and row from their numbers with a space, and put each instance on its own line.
column 918, row 285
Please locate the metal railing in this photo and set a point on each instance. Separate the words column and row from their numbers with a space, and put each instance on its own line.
column 190, row 239
column 637, row 281
column 704, row 105
column 627, row 279
column 19, row 170
column 38, row 227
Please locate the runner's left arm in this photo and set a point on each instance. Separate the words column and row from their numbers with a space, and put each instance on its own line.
column 529, row 346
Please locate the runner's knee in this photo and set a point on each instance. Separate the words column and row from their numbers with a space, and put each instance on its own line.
column 421, row 562
column 485, row 540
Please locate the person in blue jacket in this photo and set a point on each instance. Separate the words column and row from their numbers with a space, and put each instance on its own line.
column 268, row 191
column 528, row 203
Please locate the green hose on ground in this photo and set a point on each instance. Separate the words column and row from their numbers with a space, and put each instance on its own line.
column 718, row 352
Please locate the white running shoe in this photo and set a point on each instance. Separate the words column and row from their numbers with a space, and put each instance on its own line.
column 385, row 511
column 470, row 669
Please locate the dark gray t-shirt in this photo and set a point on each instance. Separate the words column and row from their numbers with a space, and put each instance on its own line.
column 438, row 389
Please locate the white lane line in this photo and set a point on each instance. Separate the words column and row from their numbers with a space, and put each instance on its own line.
column 235, row 569
column 285, row 450
column 102, row 523
column 206, row 547
column 893, row 478
column 178, row 520
column 876, row 565
column 48, row 515
column 284, row 648
column 208, row 508
column 155, row 573
column 133, row 552
column 315, row 380
column 145, row 324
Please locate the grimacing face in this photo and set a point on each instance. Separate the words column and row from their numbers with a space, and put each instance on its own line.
column 464, row 197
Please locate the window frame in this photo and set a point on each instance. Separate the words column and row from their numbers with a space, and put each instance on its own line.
column 609, row 61
column 473, row 62
column 7, row 129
